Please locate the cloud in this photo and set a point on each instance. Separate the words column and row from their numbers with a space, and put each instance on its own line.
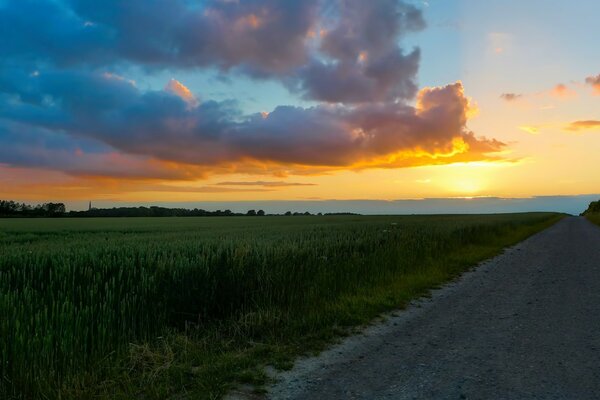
column 197, row 189
column 563, row 91
column 594, row 81
column 264, row 183
column 33, row 183
column 67, row 105
column 511, row 96
column 356, row 58
column 265, row 36
column 180, row 90
column 362, row 60
column 27, row 146
column 161, row 125
column 584, row 125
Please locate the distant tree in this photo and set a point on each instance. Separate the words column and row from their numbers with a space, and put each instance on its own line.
column 55, row 209
column 288, row 213
column 251, row 213
column 9, row 207
column 260, row 213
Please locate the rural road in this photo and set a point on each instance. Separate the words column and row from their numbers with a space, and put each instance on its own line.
column 524, row 325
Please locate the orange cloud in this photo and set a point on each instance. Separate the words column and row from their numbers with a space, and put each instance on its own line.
column 563, row 91
column 583, row 125
column 265, row 183
column 179, row 89
column 39, row 184
column 195, row 189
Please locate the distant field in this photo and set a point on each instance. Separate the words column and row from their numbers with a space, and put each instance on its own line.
column 141, row 307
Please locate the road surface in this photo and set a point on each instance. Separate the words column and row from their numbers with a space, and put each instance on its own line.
column 524, row 325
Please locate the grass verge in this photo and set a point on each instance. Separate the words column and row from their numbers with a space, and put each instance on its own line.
column 594, row 217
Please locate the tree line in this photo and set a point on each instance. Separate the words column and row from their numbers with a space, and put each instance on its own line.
column 10, row 208
column 155, row 211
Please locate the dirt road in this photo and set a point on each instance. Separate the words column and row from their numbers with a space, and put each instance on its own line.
column 523, row 325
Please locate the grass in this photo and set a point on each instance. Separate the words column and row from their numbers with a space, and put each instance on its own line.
column 594, row 217
column 190, row 307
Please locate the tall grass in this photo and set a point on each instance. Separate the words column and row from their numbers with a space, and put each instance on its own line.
column 76, row 292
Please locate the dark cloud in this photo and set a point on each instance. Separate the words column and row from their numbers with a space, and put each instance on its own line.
column 363, row 61
column 335, row 51
column 38, row 32
column 265, row 36
column 594, row 81
column 386, row 78
column 64, row 105
column 511, row 96
column 163, row 125
column 24, row 145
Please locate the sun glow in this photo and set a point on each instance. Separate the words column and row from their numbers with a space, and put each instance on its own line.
column 469, row 186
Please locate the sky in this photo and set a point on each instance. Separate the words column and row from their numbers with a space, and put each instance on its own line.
column 270, row 100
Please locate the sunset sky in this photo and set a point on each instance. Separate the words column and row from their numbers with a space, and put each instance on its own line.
column 227, row 100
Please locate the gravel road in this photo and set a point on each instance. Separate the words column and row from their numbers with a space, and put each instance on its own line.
column 524, row 325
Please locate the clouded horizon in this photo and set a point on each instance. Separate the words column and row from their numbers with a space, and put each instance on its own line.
column 220, row 100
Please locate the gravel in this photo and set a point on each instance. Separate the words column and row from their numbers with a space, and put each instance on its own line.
column 523, row 325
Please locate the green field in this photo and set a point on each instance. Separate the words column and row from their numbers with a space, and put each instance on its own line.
column 148, row 308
